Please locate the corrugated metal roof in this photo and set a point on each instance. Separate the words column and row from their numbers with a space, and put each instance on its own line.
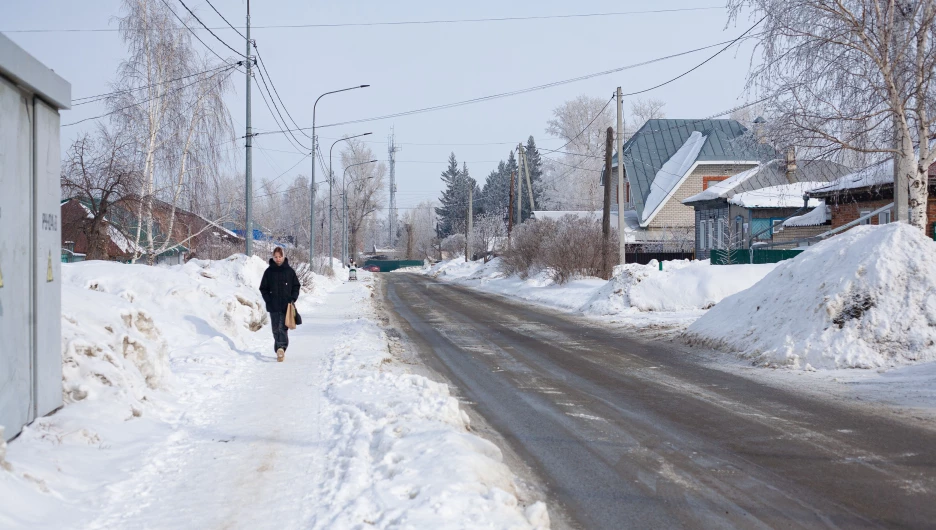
column 658, row 140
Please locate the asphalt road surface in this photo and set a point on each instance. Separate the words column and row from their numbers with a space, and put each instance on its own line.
column 626, row 434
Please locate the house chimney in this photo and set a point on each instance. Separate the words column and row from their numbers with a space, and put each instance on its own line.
column 759, row 132
column 791, row 164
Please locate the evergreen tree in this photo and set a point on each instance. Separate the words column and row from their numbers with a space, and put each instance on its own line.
column 496, row 191
column 536, row 175
column 451, row 211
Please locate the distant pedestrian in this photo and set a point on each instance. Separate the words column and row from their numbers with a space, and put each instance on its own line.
column 279, row 287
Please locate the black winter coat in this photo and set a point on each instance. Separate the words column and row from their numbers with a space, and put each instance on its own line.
column 279, row 286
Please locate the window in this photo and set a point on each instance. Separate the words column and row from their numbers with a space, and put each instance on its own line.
column 702, row 235
column 884, row 217
column 776, row 225
column 719, row 234
column 711, row 234
column 866, row 221
column 738, row 235
column 708, row 181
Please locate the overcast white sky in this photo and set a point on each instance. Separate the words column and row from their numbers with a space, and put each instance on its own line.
column 415, row 66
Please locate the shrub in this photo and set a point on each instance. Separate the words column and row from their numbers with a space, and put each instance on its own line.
column 567, row 248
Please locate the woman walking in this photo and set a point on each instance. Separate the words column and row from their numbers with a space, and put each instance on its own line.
column 279, row 287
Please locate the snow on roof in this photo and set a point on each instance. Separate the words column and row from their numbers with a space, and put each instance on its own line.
column 879, row 174
column 721, row 189
column 785, row 196
column 671, row 174
column 817, row 216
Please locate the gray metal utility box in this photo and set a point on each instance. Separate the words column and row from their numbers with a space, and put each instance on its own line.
column 31, row 96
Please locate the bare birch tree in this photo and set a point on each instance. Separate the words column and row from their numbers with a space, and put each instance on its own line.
column 644, row 110
column 853, row 76
column 365, row 189
column 170, row 100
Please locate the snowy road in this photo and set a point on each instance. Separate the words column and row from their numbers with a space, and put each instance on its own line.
column 630, row 435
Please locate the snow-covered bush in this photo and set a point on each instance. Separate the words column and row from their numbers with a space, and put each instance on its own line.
column 524, row 257
column 863, row 299
column 454, row 244
column 567, row 248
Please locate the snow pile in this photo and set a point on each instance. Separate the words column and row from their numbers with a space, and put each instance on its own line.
column 863, row 299
column 402, row 454
column 671, row 174
column 118, row 321
column 682, row 285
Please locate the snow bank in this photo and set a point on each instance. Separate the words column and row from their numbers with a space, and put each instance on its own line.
column 681, row 286
column 863, row 299
column 401, row 450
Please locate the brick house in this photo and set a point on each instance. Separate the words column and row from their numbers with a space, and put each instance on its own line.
column 862, row 192
column 192, row 235
column 754, row 203
column 667, row 161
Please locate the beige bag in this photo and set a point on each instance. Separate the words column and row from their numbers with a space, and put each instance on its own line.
column 290, row 317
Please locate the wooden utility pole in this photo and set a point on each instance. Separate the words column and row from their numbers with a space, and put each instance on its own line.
column 510, row 209
column 606, row 211
column 620, row 175
column 468, row 221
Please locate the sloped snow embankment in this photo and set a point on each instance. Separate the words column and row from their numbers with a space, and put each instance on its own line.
column 636, row 294
column 401, row 454
column 863, row 299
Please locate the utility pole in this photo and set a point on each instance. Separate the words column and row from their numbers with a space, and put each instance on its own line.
column 606, row 211
column 519, row 190
column 620, row 175
column 468, row 221
column 526, row 171
column 392, row 150
column 510, row 209
column 248, row 221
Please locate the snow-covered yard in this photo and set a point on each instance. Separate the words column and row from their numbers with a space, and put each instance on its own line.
column 178, row 416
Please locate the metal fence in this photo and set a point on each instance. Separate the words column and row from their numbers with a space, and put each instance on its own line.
column 644, row 258
column 392, row 265
column 745, row 256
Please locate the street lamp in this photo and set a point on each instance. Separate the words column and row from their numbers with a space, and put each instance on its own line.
column 344, row 212
column 331, row 248
column 312, row 184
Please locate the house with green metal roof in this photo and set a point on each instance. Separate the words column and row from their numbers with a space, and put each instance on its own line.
column 669, row 160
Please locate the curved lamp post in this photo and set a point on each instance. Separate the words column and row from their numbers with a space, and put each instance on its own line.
column 331, row 248
column 344, row 214
column 312, row 184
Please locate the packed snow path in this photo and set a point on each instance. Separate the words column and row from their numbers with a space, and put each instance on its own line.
column 638, row 435
column 340, row 436
column 249, row 456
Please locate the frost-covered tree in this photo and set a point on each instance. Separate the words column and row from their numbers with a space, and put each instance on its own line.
column 365, row 189
column 170, row 100
column 643, row 110
column 571, row 180
column 852, row 76
column 536, row 177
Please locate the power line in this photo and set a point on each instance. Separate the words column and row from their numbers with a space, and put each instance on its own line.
column 276, row 92
column 192, row 32
column 544, row 86
column 402, row 22
column 230, row 68
column 209, row 30
column 99, row 97
column 262, row 78
column 226, row 20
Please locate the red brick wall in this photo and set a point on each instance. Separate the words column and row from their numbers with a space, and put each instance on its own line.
column 845, row 213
